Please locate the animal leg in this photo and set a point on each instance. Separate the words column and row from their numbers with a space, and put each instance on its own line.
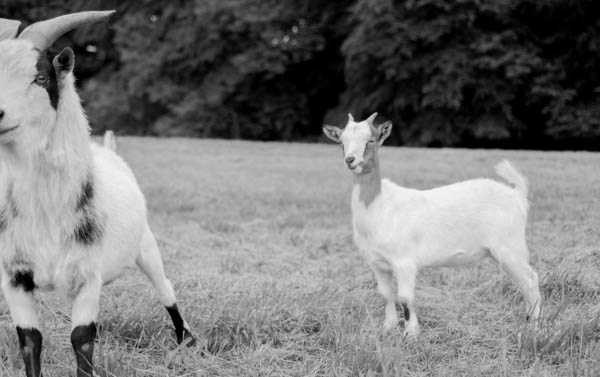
column 150, row 262
column 385, row 285
column 406, row 276
column 521, row 272
column 84, row 317
column 18, row 290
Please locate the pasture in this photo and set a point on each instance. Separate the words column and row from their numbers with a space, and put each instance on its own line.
column 257, row 240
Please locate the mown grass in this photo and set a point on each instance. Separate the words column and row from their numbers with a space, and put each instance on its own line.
column 257, row 240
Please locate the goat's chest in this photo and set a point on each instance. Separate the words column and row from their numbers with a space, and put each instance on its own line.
column 39, row 245
column 367, row 232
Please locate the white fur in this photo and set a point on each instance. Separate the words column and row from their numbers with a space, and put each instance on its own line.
column 110, row 141
column 404, row 230
column 43, row 167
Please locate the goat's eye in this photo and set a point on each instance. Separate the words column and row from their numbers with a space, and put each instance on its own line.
column 41, row 79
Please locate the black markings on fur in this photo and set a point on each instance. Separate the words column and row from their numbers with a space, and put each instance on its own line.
column 45, row 68
column 82, row 340
column 13, row 208
column 23, row 279
column 180, row 331
column 406, row 312
column 3, row 220
column 30, row 342
column 404, row 309
column 89, row 230
column 87, row 194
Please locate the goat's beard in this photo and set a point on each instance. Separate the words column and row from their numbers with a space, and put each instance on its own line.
column 365, row 168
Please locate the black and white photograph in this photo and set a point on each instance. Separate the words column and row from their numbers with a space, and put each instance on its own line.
column 286, row 188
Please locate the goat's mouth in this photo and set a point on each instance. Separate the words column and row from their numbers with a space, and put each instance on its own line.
column 7, row 130
column 356, row 168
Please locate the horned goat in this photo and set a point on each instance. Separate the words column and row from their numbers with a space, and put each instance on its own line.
column 401, row 230
column 72, row 216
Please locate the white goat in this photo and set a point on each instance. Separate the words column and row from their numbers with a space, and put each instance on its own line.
column 401, row 230
column 72, row 216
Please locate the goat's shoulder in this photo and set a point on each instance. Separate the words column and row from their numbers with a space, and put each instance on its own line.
column 389, row 187
column 397, row 197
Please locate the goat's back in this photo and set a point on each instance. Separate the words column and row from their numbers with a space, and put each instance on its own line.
column 472, row 215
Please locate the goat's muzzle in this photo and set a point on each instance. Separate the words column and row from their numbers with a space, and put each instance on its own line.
column 7, row 130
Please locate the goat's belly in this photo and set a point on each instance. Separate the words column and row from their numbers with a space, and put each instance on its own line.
column 64, row 276
column 66, row 273
column 457, row 257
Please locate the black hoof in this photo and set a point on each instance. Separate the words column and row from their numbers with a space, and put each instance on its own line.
column 186, row 338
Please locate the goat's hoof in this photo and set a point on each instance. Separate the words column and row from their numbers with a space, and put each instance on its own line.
column 411, row 331
column 186, row 338
column 388, row 327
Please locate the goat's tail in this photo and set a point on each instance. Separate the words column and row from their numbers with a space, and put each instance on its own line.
column 514, row 177
column 110, row 141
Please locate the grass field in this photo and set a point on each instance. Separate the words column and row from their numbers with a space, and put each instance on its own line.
column 256, row 238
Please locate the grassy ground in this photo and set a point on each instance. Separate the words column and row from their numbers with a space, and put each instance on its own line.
column 257, row 241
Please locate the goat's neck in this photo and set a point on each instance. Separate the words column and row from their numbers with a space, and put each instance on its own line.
column 49, row 178
column 369, row 184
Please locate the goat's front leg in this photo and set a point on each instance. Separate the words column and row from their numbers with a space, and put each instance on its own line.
column 83, row 321
column 18, row 287
column 385, row 285
column 406, row 275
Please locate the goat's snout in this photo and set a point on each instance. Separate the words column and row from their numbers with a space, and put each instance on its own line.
column 349, row 159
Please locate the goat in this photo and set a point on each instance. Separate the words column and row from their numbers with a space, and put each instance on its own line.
column 400, row 230
column 72, row 215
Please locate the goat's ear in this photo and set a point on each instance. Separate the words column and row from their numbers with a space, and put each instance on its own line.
column 9, row 28
column 385, row 129
column 64, row 62
column 332, row 132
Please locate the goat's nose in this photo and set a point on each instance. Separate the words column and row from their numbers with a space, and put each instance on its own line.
column 349, row 159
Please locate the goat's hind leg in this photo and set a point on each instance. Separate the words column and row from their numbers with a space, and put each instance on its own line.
column 18, row 289
column 150, row 262
column 514, row 261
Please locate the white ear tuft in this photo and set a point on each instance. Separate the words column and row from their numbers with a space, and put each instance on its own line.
column 8, row 28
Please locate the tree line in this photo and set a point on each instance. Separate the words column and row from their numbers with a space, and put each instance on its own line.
column 469, row 73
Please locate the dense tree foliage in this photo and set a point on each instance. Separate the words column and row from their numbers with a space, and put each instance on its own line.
column 229, row 68
column 457, row 72
column 518, row 73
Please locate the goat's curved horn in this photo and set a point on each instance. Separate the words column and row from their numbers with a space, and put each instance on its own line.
column 44, row 33
column 371, row 118
column 8, row 28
